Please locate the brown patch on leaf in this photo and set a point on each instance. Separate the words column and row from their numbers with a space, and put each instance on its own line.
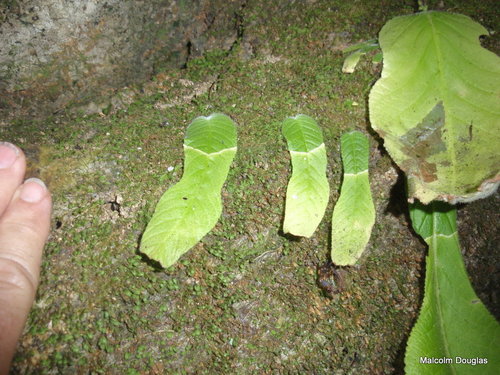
column 428, row 171
column 425, row 140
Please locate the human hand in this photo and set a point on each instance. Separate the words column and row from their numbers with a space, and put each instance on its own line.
column 24, row 226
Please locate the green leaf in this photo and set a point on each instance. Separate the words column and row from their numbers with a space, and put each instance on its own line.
column 377, row 58
column 351, row 61
column 358, row 50
column 453, row 321
column 437, row 106
column 354, row 213
column 308, row 190
column 367, row 45
column 192, row 207
column 211, row 134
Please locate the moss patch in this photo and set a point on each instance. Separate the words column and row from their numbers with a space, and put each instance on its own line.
column 245, row 299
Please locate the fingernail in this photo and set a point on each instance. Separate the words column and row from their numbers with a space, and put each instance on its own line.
column 33, row 190
column 8, row 154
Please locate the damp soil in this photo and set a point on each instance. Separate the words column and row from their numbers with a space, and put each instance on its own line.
column 246, row 299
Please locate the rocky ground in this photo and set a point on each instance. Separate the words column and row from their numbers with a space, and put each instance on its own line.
column 245, row 300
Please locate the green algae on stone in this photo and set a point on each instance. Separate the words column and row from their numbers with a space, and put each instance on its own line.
column 250, row 292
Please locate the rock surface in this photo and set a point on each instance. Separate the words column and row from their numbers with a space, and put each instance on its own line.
column 57, row 53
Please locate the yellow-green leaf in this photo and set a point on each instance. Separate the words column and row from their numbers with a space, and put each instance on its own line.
column 308, row 190
column 437, row 106
column 454, row 333
column 192, row 207
column 354, row 213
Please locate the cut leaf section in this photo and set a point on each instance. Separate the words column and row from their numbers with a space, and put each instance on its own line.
column 437, row 106
column 354, row 213
column 453, row 323
column 308, row 190
column 358, row 50
column 211, row 134
column 192, row 207
column 351, row 62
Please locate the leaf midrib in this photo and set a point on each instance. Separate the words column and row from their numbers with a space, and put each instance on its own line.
column 433, row 246
column 442, row 84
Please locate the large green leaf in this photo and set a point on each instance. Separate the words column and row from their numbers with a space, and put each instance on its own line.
column 192, row 207
column 308, row 190
column 437, row 106
column 354, row 213
column 453, row 325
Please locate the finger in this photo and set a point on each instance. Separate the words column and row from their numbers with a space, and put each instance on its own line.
column 24, row 228
column 12, row 167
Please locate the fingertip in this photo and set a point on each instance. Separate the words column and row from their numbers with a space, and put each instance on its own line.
column 12, row 169
column 29, row 212
column 8, row 154
column 33, row 190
